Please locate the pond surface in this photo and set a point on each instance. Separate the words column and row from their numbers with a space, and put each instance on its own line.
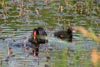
column 19, row 18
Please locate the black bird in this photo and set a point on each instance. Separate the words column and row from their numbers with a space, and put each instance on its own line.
column 37, row 38
column 68, row 34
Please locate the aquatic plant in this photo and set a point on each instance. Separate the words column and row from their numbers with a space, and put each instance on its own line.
column 87, row 33
column 4, row 7
column 95, row 57
column 61, row 58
